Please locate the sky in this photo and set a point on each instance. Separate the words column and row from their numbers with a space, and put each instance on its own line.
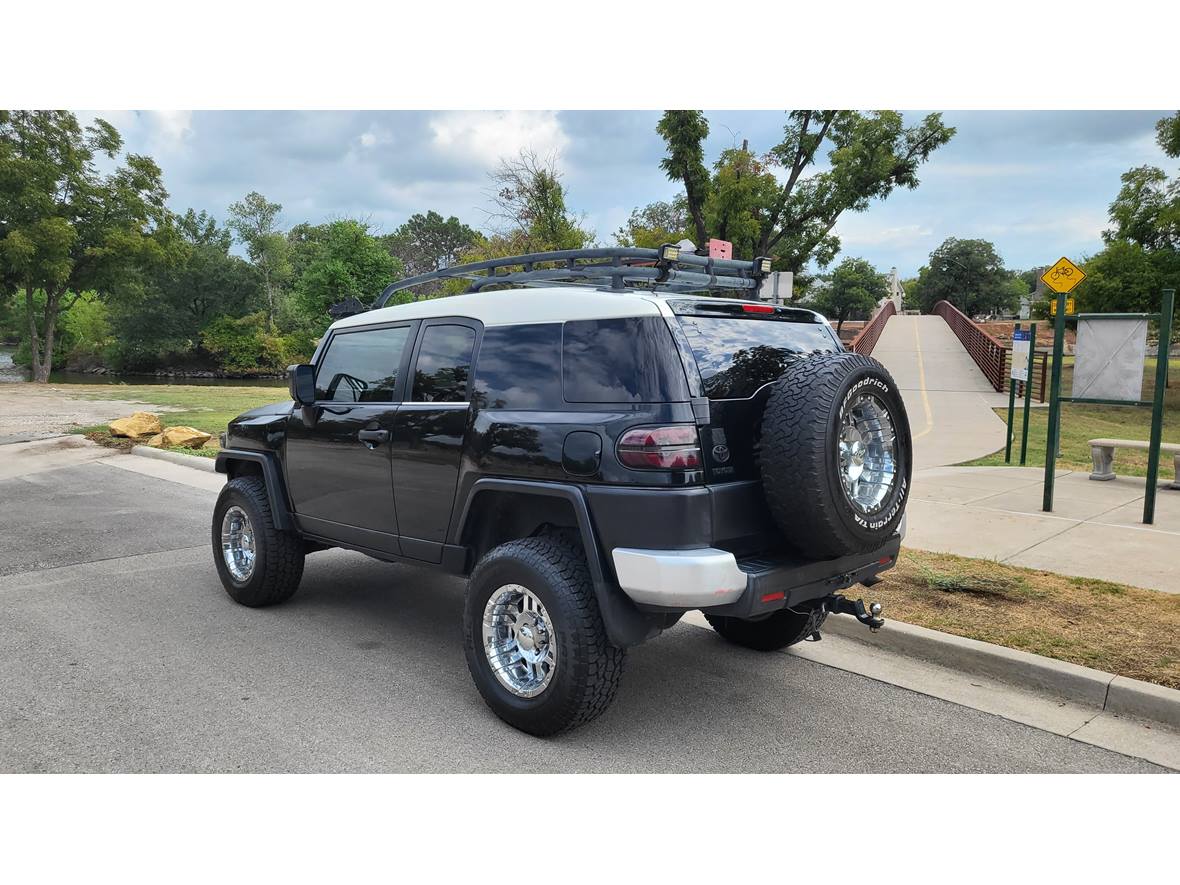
column 1035, row 183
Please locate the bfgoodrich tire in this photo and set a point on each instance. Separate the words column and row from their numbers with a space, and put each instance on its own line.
column 258, row 564
column 534, row 639
column 835, row 454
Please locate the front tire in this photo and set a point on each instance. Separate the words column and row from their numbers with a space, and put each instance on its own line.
column 780, row 630
column 258, row 564
column 534, row 638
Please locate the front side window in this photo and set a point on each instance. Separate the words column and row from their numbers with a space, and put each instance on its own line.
column 361, row 367
column 444, row 364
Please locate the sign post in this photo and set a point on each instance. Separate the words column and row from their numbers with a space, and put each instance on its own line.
column 1032, row 335
column 1020, row 371
column 1157, row 406
column 1061, row 278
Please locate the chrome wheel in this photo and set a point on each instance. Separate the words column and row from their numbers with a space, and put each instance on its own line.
column 237, row 543
column 868, row 453
column 519, row 641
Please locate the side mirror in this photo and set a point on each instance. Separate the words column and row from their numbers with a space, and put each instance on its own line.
column 301, row 380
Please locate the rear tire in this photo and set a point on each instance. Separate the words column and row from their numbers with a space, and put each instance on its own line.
column 530, row 588
column 263, row 565
column 782, row 629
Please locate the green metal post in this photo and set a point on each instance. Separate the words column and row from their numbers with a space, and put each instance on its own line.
column 1011, row 404
column 1052, row 441
column 1032, row 351
column 1157, row 409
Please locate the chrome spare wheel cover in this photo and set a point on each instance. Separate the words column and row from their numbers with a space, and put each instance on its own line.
column 868, row 453
column 237, row 543
column 519, row 641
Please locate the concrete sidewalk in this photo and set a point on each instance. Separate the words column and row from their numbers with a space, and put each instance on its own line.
column 1094, row 531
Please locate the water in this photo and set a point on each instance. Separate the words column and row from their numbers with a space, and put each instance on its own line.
column 13, row 373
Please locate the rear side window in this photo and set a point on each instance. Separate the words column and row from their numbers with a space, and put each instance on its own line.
column 737, row 356
column 518, row 367
column 627, row 360
column 444, row 364
column 361, row 367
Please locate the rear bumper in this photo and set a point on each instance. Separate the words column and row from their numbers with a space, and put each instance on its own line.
column 712, row 579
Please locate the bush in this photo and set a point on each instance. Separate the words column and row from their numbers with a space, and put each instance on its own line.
column 248, row 346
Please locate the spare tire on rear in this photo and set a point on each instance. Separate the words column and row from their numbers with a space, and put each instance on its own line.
column 835, row 454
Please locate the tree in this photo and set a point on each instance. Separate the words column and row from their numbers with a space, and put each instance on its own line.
column 65, row 227
column 655, row 224
column 200, row 280
column 776, row 204
column 255, row 221
column 531, row 210
column 339, row 260
column 970, row 275
column 854, row 289
column 426, row 243
column 1127, row 277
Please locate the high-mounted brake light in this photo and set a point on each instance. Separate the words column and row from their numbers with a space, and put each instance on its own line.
column 674, row 447
column 758, row 308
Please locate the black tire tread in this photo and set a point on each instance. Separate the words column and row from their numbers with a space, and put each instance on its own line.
column 564, row 566
column 782, row 629
column 794, row 456
column 284, row 551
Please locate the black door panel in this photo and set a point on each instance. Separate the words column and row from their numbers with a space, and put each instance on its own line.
column 339, row 469
column 428, row 435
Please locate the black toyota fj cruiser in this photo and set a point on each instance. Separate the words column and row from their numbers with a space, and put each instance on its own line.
column 597, row 459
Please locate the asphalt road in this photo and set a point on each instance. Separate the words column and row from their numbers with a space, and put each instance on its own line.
column 119, row 651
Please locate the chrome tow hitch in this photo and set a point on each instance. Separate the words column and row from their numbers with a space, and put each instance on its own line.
column 842, row 605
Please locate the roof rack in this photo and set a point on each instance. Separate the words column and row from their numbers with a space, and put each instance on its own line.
column 667, row 268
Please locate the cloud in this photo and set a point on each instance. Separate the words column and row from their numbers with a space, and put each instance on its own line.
column 484, row 137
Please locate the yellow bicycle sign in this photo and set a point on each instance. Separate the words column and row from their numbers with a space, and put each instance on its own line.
column 1063, row 276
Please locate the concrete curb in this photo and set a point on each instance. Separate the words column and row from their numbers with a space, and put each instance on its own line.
column 1115, row 694
column 195, row 461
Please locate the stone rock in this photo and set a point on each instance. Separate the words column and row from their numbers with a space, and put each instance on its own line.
column 185, row 437
column 138, row 425
column 156, row 441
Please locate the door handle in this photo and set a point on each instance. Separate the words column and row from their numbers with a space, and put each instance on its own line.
column 372, row 438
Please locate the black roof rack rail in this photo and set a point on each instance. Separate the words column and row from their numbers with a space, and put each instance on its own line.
column 667, row 268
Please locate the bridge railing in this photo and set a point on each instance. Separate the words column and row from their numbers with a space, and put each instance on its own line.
column 987, row 351
column 867, row 337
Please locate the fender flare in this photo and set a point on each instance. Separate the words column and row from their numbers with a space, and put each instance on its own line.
column 625, row 624
column 276, row 490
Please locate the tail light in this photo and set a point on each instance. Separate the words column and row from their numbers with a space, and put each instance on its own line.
column 675, row 447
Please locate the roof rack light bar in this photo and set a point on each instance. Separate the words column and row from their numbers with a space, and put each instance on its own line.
column 666, row 268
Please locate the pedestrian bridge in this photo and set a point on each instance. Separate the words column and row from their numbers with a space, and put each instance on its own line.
column 949, row 401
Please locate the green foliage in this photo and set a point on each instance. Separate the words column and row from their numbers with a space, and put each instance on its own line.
column 429, row 242
column 65, row 226
column 655, row 224
column 247, row 346
column 198, row 281
column 337, row 261
column 1126, row 277
column 970, row 275
column 853, row 291
column 531, row 208
column 790, row 215
column 1146, row 210
column 255, row 222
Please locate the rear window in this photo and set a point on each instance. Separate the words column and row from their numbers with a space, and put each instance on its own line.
column 625, row 360
column 517, row 367
column 737, row 356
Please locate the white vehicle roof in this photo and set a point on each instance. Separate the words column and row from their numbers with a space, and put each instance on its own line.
column 511, row 307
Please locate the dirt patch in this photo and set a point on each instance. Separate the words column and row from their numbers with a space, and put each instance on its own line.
column 29, row 410
column 1100, row 624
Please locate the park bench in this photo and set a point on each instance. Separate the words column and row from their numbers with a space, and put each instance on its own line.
column 1102, row 451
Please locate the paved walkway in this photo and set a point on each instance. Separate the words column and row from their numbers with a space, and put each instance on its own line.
column 1095, row 529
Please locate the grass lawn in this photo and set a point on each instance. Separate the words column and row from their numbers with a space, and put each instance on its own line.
column 1111, row 627
column 206, row 407
column 1080, row 424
